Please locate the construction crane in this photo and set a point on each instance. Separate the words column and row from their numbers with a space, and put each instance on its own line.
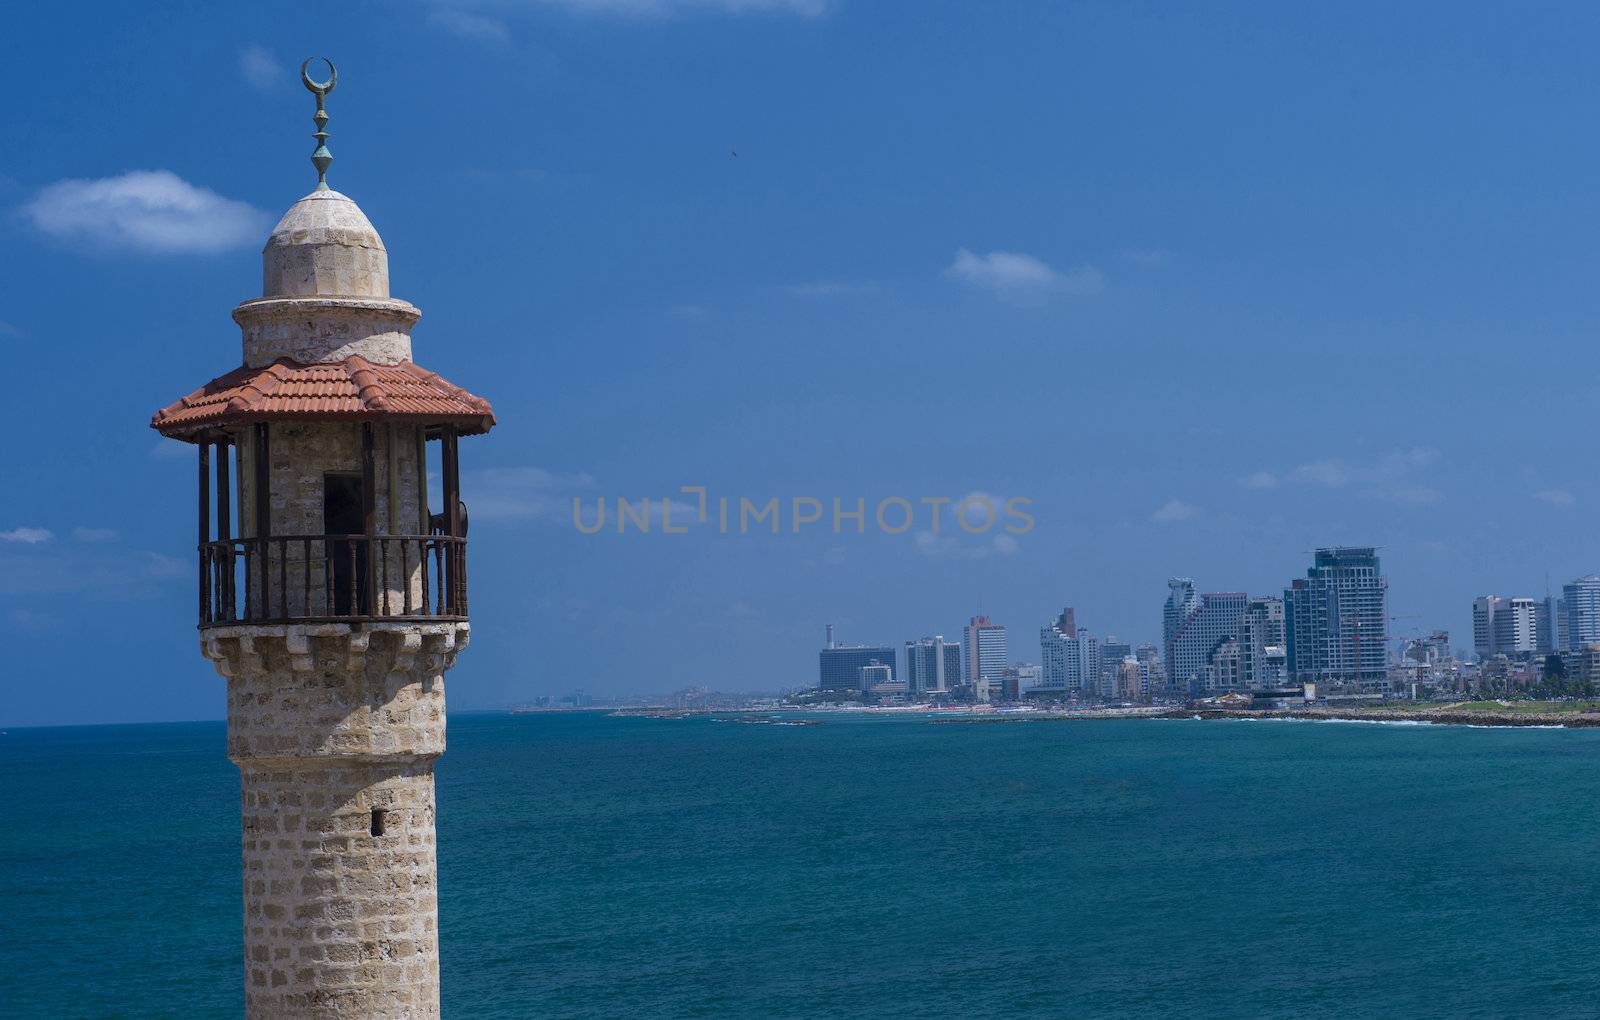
column 1355, row 638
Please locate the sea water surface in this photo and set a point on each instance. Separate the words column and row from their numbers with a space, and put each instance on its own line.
column 592, row 866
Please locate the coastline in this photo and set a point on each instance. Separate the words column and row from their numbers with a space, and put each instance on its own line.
column 1460, row 714
column 1444, row 715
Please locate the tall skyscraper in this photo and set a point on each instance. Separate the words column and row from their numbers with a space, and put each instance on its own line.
column 1182, row 603
column 1545, row 613
column 1336, row 621
column 987, row 657
column 932, row 667
column 1515, row 630
column 1069, row 662
column 1581, row 611
column 1261, row 647
column 1195, row 627
column 1483, row 611
column 1068, row 621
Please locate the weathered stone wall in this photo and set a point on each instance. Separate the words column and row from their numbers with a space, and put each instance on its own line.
column 301, row 455
column 310, row 330
column 330, row 724
column 339, row 922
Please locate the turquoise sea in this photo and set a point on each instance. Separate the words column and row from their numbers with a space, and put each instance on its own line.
column 601, row 867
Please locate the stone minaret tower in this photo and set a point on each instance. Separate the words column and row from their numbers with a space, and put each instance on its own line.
column 333, row 601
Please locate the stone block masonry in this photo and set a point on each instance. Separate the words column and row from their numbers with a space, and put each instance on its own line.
column 335, row 729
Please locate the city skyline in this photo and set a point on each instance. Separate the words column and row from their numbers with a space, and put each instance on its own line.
column 558, row 393
column 1330, row 629
column 1278, row 246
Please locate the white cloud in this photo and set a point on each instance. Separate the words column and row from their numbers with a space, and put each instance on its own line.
column 94, row 534
column 470, row 26
column 26, row 536
column 1175, row 510
column 946, row 546
column 1022, row 279
column 1390, row 477
column 260, row 68
column 1261, row 480
column 109, row 572
column 1005, row 545
column 1556, row 497
column 144, row 210
column 1330, row 474
column 523, row 493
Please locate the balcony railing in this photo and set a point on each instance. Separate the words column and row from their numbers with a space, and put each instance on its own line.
column 332, row 579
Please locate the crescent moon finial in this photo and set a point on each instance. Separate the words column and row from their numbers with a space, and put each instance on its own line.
column 320, row 87
column 321, row 158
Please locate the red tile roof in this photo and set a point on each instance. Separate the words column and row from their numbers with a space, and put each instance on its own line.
column 353, row 389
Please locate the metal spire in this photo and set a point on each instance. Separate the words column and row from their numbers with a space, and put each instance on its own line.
column 321, row 158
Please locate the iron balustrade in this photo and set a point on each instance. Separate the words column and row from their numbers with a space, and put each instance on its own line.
column 332, row 579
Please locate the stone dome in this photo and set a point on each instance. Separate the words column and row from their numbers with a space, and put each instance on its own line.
column 325, row 283
column 325, row 247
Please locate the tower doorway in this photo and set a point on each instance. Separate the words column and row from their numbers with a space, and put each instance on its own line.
column 343, row 515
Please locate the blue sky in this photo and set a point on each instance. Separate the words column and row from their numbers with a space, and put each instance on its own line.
column 1211, row 285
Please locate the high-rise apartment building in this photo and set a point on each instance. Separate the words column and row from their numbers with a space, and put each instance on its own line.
column 1545, row 614
column 1515, row 627
column 1225, row 671
column 1261, row 643
column 1483, row 610
column 1069, row 663
column 1195, row 627
column 933, row 667
column 839, row 666
column 1510, row 626
column 1581, row 611
column 1336, row 621
column 986, row 656
column 1181, row 604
